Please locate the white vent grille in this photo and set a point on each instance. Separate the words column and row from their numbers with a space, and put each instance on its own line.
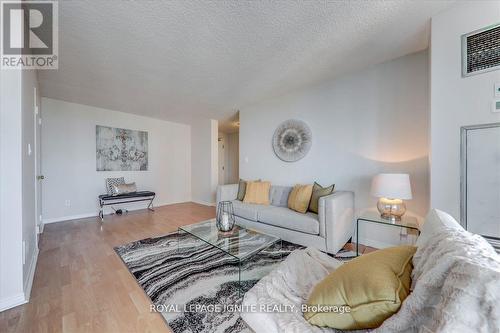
column 481, row 51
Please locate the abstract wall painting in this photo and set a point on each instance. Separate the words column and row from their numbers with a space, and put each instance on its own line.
column 292, row 140
column 119, row 149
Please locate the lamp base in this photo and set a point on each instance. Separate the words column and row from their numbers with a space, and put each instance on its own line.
column 391, row 209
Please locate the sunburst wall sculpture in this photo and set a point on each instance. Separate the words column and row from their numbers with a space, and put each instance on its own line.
column 292, row 140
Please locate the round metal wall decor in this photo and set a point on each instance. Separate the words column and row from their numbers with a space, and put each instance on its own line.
column 292, row 140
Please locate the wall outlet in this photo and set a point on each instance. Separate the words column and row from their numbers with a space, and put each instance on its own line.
column 495, row 106
column 67, row 203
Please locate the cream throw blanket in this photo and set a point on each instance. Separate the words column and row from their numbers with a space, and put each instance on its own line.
column 456, row 288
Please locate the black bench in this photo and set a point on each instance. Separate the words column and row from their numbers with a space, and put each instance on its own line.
column 109, row 200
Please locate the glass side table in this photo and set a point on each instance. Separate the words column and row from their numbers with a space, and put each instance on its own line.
column 408, row 225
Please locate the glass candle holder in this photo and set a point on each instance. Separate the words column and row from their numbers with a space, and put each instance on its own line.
column 225, row 216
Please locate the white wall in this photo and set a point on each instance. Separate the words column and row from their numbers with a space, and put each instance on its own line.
column 204, row 157
column 11, row 184
column 69, row 159
column 29, row 83
column 372, row 121
column 17, row 180
column 456, row 101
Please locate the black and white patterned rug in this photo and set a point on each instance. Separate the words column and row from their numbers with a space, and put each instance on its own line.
column 189, row 281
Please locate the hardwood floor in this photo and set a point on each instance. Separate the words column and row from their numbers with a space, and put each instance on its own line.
column 81, row 285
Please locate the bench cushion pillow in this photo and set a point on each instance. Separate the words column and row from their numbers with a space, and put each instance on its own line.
column 124, row 188
column 110, row 182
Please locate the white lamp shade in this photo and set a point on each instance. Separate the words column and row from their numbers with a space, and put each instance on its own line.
column 392, row 185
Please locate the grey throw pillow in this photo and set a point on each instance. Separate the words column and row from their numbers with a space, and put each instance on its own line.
column 242, row 188
column 110, row 182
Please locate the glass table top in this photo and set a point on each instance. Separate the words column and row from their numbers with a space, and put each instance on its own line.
column 409, row 222
column 240, row 243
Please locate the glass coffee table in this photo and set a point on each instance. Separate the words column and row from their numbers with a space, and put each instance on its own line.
column 240, row 243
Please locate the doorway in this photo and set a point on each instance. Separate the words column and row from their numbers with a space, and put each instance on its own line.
column 229, row 153
column 222, row 159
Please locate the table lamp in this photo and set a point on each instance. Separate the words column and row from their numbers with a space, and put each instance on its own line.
column 391, row 189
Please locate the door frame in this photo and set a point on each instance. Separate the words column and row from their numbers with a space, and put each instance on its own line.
column 38, row 163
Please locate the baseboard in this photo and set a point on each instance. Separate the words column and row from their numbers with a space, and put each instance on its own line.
column 204, row 203
column 12, row 301
column 31, row 275
column 40, row 228
column 69, row 218
column 95, row 214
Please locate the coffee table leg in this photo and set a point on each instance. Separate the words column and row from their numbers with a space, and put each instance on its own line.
column 179, row 231
column 239, row 280
column 281, row 250
column 357, row 237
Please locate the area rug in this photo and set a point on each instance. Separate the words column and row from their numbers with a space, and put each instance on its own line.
column 194, row 285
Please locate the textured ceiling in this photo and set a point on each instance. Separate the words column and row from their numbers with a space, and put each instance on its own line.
column 181, row 59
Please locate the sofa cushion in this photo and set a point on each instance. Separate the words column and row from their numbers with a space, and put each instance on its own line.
column 246, row 210
column 289, row 219
column 279, row 195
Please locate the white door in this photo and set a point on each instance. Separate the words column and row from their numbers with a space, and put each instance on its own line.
column 38, row 165
column 482, row 174
column 222, row 161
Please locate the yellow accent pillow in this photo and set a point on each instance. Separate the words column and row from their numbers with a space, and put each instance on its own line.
column 257, row 193
column 373, row 286
column 299, row 197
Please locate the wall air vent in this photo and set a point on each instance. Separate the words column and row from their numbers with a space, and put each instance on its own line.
column 481, row 50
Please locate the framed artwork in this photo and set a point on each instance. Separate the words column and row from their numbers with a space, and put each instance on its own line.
column 119, row 149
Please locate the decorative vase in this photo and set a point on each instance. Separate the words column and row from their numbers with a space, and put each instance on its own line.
column 225, row 216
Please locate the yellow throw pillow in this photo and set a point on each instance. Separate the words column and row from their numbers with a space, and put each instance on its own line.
column 372, row 286
column 257, row 193
column 299, row 198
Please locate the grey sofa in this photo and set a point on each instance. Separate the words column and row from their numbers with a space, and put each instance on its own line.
column 327, row 231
